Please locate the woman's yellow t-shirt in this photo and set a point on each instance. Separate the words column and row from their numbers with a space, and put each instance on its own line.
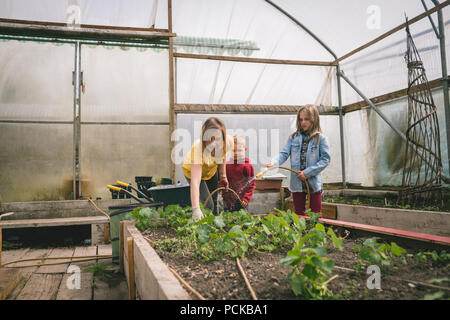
column 208, row 162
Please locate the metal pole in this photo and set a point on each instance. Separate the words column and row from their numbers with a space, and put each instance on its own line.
column 445, row 79
column 341, row 125
column 397, row 131
column 431, row 19
column 74, row 83
column 338, row 81
column 79, row 120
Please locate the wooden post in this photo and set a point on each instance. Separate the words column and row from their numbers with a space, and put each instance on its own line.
column 121, row 241
column 131, row 285
column 106, row 236
column 172, row 116
column 1, row 245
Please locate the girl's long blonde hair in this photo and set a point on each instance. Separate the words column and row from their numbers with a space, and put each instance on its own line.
column 313, row 114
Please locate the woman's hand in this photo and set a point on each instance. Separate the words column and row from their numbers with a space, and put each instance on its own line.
column 223, row 182
column 301, row 176
column 197, row 214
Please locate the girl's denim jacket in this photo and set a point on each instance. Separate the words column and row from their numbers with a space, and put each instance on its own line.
column 317, row 159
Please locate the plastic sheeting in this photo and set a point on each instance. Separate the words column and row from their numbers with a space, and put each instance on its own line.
column 127, row 85
column 124, row 86
column 121, row 152
column 266, row 136
column 374, row 153
column 36, row 158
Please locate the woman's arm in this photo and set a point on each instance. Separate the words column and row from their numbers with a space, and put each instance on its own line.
column 196, row 177
column 223, row 180
column 222, row 168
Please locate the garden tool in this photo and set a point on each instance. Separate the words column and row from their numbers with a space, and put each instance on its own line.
column 126, row 185
column 126, row 191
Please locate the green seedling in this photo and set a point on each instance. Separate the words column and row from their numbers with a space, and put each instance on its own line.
column 381, row 254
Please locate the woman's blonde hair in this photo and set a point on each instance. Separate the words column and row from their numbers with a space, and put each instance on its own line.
column 214, row 123
column 313, row 114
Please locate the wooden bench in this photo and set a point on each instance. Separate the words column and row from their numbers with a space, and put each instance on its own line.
column 33, row 223
column 36, row 223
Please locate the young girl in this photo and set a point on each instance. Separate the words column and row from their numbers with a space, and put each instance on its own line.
column 204, row 166
column 310, row 155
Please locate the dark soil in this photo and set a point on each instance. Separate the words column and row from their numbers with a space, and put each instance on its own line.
column 222, row 280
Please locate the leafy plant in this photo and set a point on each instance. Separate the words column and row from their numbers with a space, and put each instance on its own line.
column 442, row 257
column 309, row 266
column 378, row 253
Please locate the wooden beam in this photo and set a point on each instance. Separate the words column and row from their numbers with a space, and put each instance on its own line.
column 9, row 279
column 247, row 109
column 121, row 244
column 84, row 32
column 31, row 223
column 390, row 96
column 131, row 285
column 254, row 60
column 1, row 245
column 93, row 26
column 390, row 32
column 172, row 117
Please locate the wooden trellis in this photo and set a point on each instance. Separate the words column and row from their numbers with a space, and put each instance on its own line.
column 422, row 169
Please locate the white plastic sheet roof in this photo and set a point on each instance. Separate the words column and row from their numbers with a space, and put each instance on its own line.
column 342, row 25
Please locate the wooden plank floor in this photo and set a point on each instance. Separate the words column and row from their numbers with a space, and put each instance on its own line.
column 55, row 283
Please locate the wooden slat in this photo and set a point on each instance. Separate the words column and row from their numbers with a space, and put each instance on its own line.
column 90, row 32
column 247, row 109
column 105, row 249
column 94, row 26
column 154, row 280
column 10, row 255
column 9, row 278
column 389, row 96
column 390, row 231
column 329, row 211
column 121, row 251
column 84, row 251
column 85, row 291
column 41, row 287
column 394, row 30
column 32, row 253
column 30, row 223
column 254, row 60
column 1, row 246
column 131, row 282
column 57, row 268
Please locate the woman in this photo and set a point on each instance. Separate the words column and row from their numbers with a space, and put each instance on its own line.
column 205, row 165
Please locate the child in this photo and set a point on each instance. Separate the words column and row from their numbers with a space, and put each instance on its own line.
column 239, row 173
column 310, row 155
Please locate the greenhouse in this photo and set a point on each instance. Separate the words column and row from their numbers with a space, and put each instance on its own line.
column 332, row 180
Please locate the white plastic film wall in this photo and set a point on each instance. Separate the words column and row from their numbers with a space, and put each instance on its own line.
column 125, row 116
column 36, row 110
column 266, row 135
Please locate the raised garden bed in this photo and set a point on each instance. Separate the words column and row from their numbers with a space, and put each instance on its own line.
column 204, row 255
